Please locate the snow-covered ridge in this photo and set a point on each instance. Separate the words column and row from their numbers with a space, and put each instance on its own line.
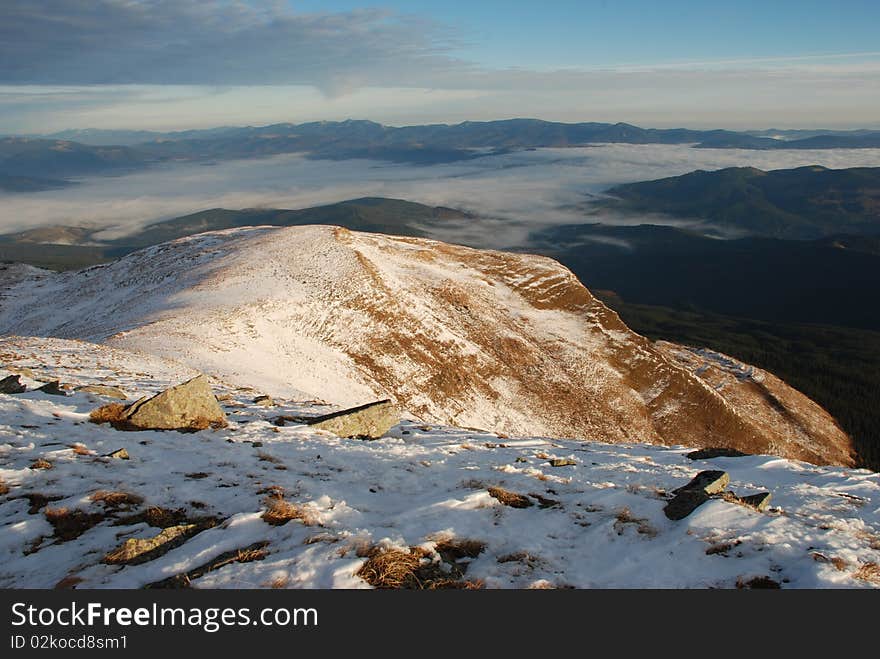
column 596, row 523
column 506, row 342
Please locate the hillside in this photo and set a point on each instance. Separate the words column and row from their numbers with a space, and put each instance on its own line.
column 801, row 203
column 505, row 342
column 425, row 500
column 69, row 248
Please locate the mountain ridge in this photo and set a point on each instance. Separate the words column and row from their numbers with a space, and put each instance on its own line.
column 507, row 342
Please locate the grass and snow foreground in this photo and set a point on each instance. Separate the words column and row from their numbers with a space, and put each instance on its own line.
column 262, row 505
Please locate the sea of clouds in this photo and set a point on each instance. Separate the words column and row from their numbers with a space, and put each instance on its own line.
column 513, row 193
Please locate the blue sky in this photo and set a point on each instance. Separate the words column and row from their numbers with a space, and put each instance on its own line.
column 570, row 33
column 171, row 64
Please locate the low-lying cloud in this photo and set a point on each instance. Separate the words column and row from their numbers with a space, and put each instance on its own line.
column 513, row 193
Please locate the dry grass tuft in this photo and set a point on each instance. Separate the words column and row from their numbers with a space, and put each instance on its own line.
column 278, row 512
column 265, row 457
column 393, row 569
column 415, row 570
column 625, row 516
column 277, row 583
column 4, row 488
column 869, row 572
column 70, row 524
column 68, row 582
column 163, row 518
column 41, row 463
column 509, row 498
column 757, row 583
column 116, row 500
column 836, row 561
column 80, row 449
column 111, row 413
column 249, row 554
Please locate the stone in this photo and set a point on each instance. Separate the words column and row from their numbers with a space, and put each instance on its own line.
column 264, row 401
column 684, row 503
column 562, row 462
column 715, row 452
column 119, row 454
column 11, row 384
column 760, row 501
column 53, row 389
column 711, row 482
column 697, row 492
column 103, row 390
column 370, row 421
column 141, row 550
column 186, row 407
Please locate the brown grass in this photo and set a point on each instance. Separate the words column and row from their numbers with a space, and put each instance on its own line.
column 41, row 463
column 455, row 549
column 869, row 572
column 757, row 583
column 836, row 561
column 265, row 457
column 158, row 517
column 278, row 512
column 243, row 555
column 278, row 583
column 80, row 449
column 414, row 570
column 68, row 582
column 4, row 488
column 70, row 524
column 116, row 500
column 625, row 516
column 509, row 498
column 110, row 413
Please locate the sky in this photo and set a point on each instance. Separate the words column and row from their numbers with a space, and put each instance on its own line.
column 176, row 64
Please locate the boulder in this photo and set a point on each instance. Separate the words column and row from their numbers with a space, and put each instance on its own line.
column 711, row 482
column 118, row 454
column 759, row 501
column 53, row 388
column 715, row 452
column 103, row 390
column 562, row 462
column 11, row 384
column 369, row 421
column 186, row 407
column 684, row 503
column 264, row 401
column 693, row 495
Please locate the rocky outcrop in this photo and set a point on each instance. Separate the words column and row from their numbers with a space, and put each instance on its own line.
column 370, row 421
column 697, row 492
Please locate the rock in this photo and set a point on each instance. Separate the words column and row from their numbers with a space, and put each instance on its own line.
column 186, row 407
column 759, row 501
column 53, row 389
column 141, row 550
column 264, row 401
column 103, row 390
column 562, row 462
column 684, row 503
column 711, row 482
column 715, row 452
column 119, row 454
column 284, row 419
column 369, row 421
column 11, row 384
column 693, row 495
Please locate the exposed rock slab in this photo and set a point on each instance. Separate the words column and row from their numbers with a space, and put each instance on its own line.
column 715, row 452
column 369, row 421
column 141, row 550
column 697, row 492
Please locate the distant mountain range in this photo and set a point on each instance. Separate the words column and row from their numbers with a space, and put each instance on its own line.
column 803, row 203
column 85, row 152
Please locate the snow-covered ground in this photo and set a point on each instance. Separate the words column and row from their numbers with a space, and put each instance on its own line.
column 596, row 523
